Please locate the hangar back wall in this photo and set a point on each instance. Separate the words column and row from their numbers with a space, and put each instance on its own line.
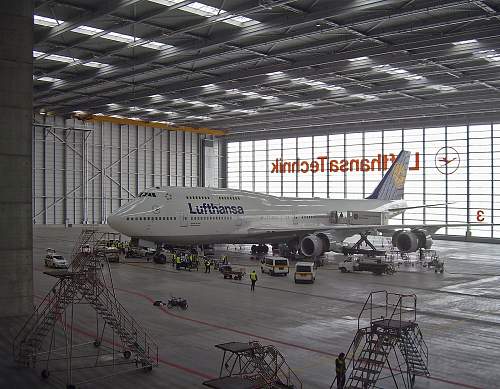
column 82, row 171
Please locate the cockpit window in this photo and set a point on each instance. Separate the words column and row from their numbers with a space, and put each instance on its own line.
column 147, row 194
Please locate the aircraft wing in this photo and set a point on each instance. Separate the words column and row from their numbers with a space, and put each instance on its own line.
column 431, row 228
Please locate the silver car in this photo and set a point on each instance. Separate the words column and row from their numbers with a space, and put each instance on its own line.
column 56, row 261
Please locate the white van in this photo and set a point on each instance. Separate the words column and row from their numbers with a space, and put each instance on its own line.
column 305, row 272
column 275, row 266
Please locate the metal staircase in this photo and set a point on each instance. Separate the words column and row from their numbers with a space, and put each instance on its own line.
column 253, row 365
column 392, row 341
column 86, row 284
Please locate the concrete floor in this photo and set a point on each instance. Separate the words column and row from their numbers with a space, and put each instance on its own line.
column 459, row 314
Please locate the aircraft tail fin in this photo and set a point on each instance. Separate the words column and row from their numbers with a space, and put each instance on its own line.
column 392, row 185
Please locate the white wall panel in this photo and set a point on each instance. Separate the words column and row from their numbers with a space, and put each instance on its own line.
column 82, row 171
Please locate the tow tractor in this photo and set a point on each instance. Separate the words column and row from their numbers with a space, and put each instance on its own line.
column 376, row 265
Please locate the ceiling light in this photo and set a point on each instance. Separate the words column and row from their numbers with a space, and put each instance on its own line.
column 276, row 74
column 156, row 96
column 465, row 42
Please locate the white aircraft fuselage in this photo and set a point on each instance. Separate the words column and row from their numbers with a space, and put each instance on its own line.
column 193, row 216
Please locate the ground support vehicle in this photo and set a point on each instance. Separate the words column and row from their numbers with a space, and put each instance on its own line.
column 376, row 266
column 275, row 266
column 305, row 272
column 234, row 274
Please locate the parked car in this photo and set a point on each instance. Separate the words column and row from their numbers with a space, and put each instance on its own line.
column 55, row 260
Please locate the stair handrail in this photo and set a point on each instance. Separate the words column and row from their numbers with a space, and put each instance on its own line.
column 399, row 306
column 38, row 313
column 126, row 321
column 354, row 346
column 422, row 345
column 289, row 369
column 369, row 302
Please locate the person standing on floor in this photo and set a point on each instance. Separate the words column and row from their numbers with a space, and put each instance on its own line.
column 340, row 370
column 207, row 265
column 253, row 279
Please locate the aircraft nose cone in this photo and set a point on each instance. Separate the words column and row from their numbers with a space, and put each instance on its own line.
column 113, row 221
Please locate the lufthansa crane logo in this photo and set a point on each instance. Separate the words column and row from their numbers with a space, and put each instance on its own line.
column 447, row 160
column 399, row 175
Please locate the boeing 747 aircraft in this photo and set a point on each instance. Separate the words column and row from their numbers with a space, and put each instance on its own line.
column 183, row 216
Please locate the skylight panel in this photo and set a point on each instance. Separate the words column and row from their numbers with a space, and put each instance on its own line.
column 156, row 45
column 87, row 30
column 365, row 96
column 300, row 104
column 465, row 42
column 443, row 88
column 94, row 64
column 62, row 58
column 48, row 79
column 357, row 59
column 397, row 72
column 489, row 55
column 275, row 74
column 115, row 36
column 208, row 11
column 317, row 84
column 44, row 21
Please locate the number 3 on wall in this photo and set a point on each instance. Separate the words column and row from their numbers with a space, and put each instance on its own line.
column 480, row 215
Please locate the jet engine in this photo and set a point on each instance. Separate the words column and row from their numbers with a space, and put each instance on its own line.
column 411, row 241
column 314, row 245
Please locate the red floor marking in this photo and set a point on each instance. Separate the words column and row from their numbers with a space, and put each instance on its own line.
column 271, row 339
column 161, row 360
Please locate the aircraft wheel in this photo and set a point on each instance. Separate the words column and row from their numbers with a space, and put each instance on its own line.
column 45, row 374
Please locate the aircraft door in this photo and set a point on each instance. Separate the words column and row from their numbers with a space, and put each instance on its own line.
column 183, row 220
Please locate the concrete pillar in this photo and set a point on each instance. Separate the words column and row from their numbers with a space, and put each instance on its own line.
column 16, row 112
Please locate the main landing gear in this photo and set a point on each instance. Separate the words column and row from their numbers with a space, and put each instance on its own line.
column 259, row 249
column 356, row 248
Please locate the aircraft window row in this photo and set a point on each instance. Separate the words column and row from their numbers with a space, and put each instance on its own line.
column 211, row 218
column 197, row 197
column 229, row 197
column 153, row 218
column 147, row 194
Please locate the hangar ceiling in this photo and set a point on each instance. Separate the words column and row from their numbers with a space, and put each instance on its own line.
column 267, row 65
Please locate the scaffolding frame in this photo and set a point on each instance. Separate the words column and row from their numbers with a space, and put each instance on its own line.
column 48, row 337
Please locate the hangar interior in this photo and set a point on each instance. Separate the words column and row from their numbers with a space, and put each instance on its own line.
column 103, row 101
